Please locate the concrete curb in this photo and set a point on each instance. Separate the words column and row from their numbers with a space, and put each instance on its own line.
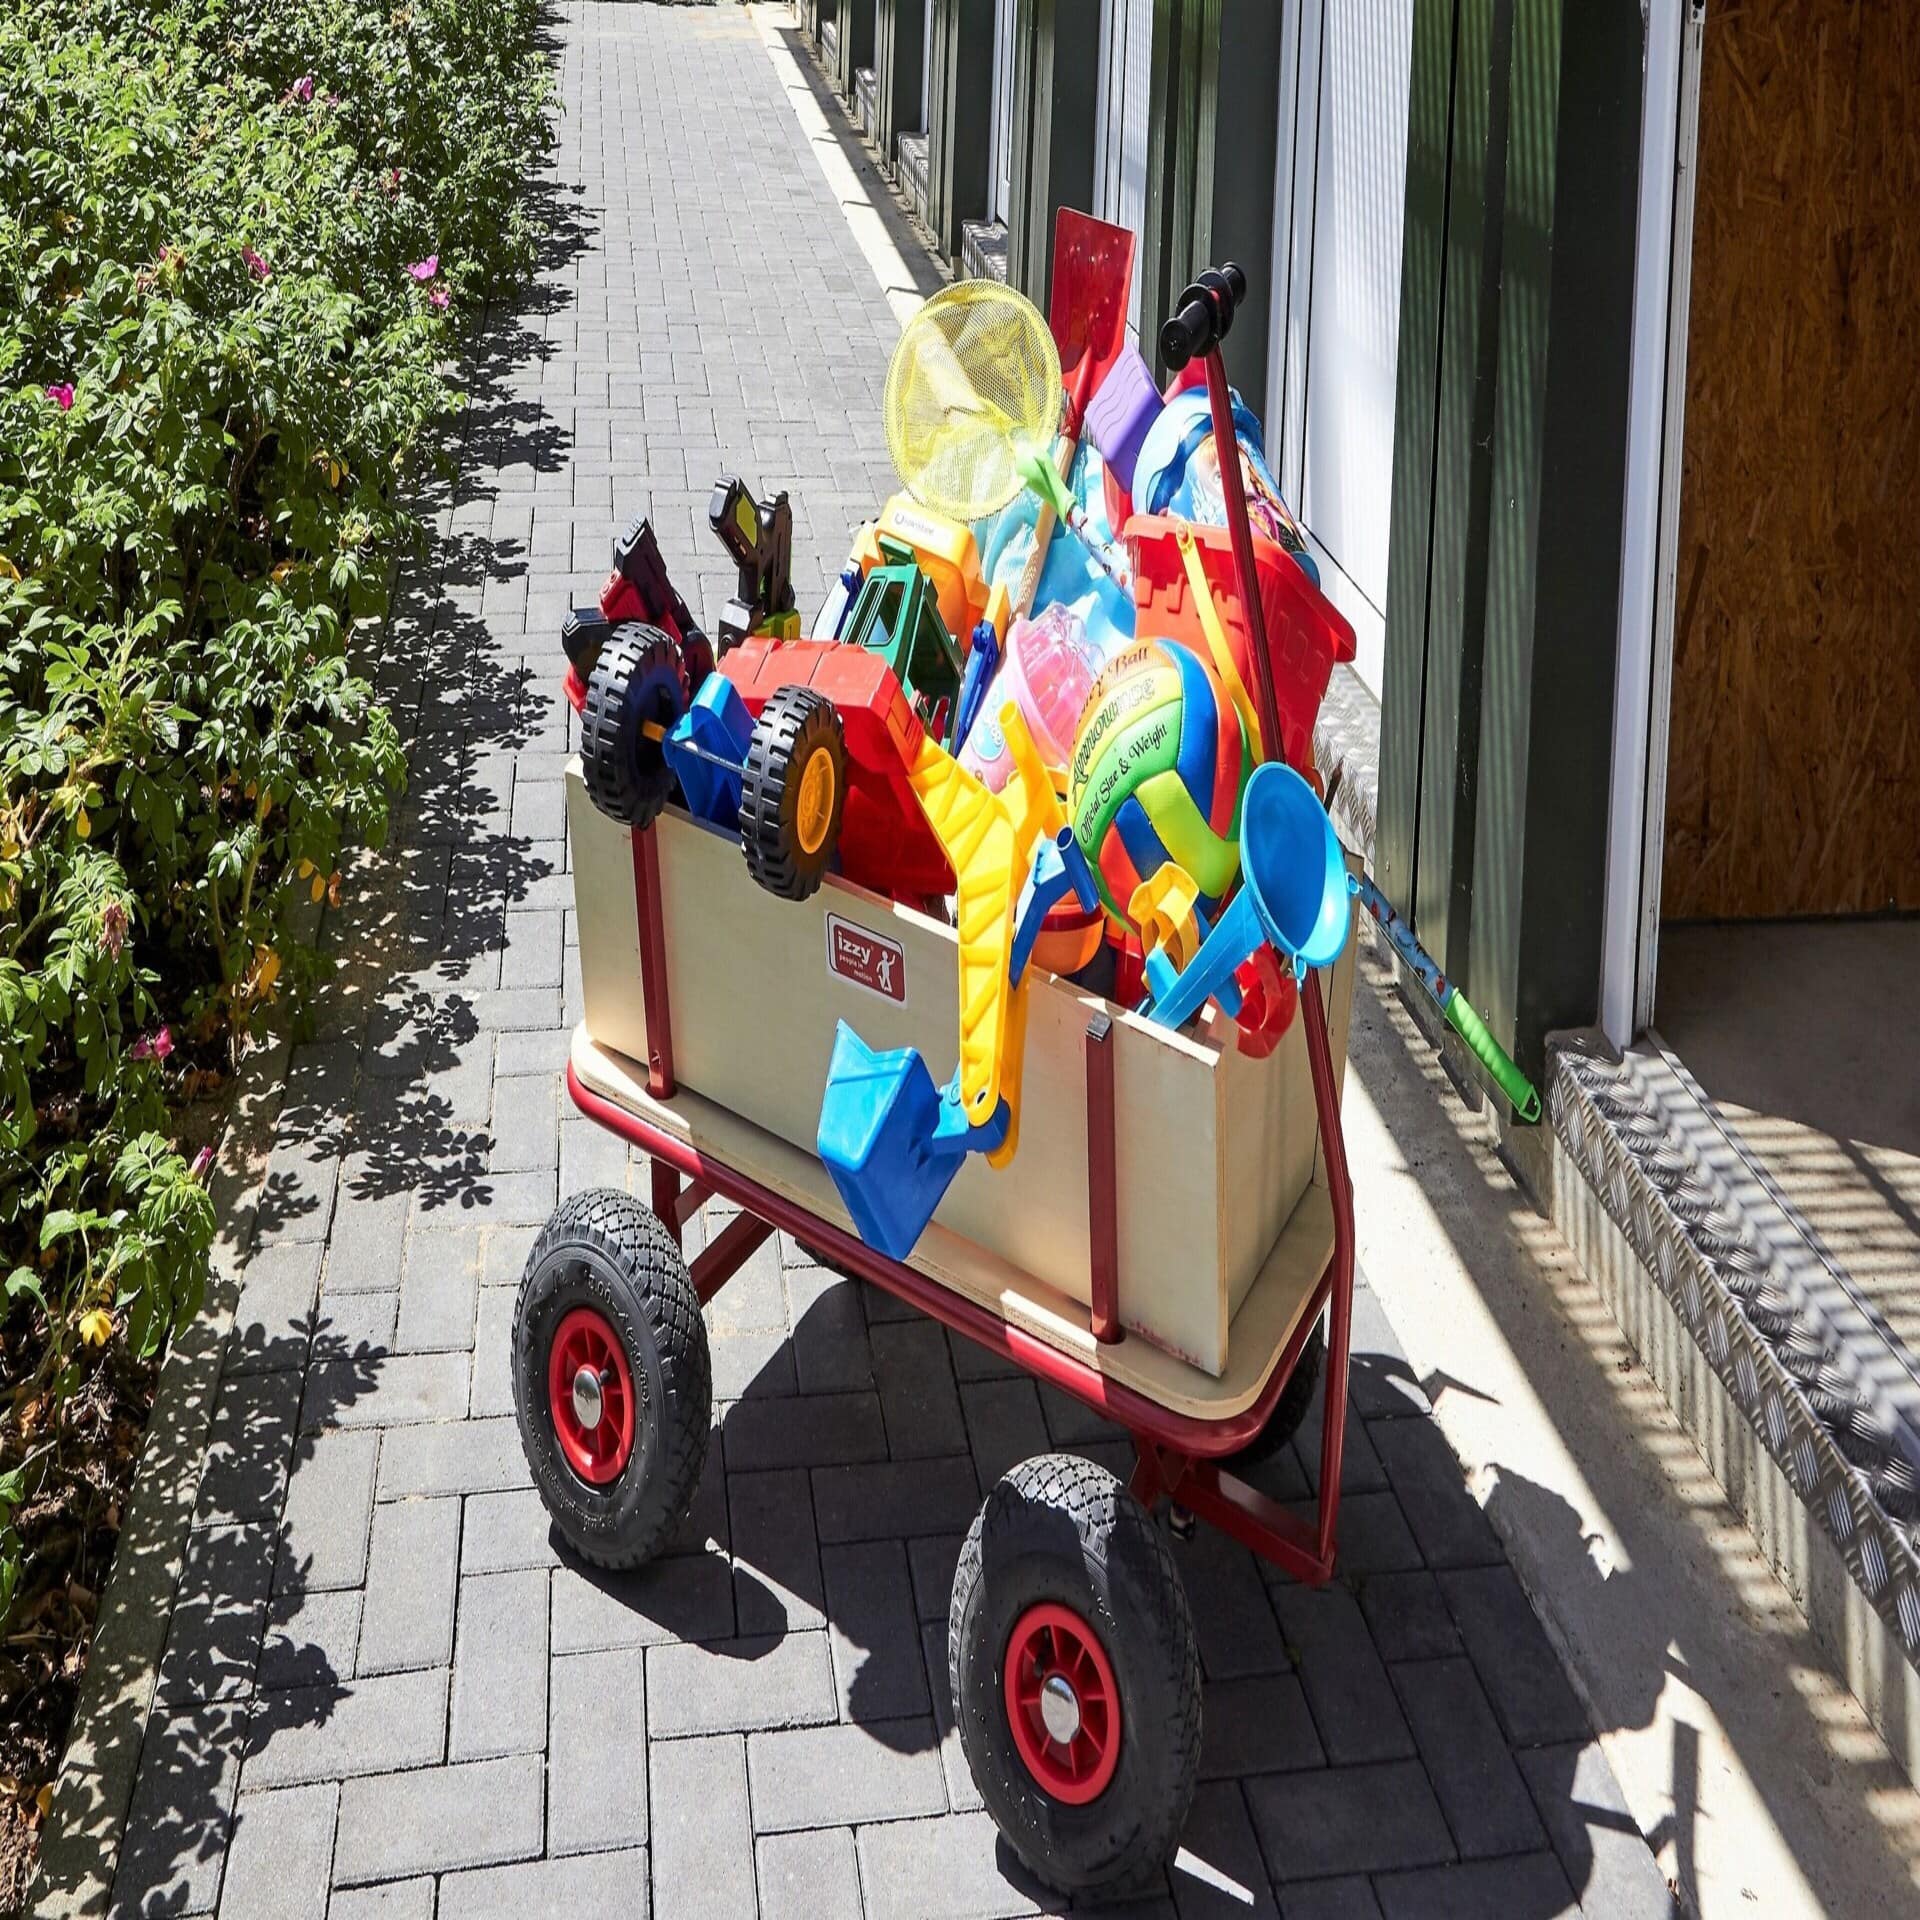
column 80, row 1848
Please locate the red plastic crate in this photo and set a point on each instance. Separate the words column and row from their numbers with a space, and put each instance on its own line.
column 1306, row 633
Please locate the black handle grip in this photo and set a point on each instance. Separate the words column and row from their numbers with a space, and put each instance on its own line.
column 1203, row 315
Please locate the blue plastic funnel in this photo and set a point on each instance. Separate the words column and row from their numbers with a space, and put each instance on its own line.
column 1294, row 893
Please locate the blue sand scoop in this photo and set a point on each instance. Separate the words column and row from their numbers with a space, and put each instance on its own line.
column 1294, row 894
column 706, row 748
column 890, row 1138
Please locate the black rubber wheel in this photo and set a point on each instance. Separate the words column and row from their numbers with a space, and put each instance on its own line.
column 1064, row 1574
column 793, row 790
column 605, row 1285
column 639, row 677
column 1291, row 1408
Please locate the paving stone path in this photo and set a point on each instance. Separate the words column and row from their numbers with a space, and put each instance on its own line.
column 384, row 1691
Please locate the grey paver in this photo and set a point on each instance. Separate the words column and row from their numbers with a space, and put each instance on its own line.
column 1529, row 1883
column 1004, row 1425
column 733, row 1685
column 1347, row 1897
column 439, row 1290
column 807, row 1876
column 452, row 1456
column 281, row 1854
column 323, row 1531
column 249, row 1448
column 821, row 1430
column 526, row 1123
column 1474, row 1777
column 412, row 1564
column 597, row 1752
column 502, row 1531
column 273, row 1318
column 219, row 1612
column 895, row 1499
column 1354, row 1706
column 945, row 1869
column 913, row 1369
column 396, row 1900
column 962, row 1795
column 1259, row 1724
column 1608, row 1863
column 1220, row 1872
column 181, row 1813
column 757, row 1361
column 358, row 1327
column 874, row 1632
column 1408, row 1616
column 1516, row 1662
column 598, row 1883
column 500, row 1666
column 845, row 1775
column 777, row 1578
column 491, row 1392
column 830, row 1348
column 367, row 1726
column 683, row 1597
column 1337, row 1820
column 1232, row 1615
column 1445, row 1518
column 438, row 1819
column 410, row 1387
column 702, row 1831
column 311, row 1638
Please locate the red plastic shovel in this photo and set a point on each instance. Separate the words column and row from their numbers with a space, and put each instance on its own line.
column 1092, row 289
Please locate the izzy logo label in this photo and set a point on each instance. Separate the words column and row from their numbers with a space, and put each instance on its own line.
column 869, row 960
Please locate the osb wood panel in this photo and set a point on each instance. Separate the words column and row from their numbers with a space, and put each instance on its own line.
column 1793, row 785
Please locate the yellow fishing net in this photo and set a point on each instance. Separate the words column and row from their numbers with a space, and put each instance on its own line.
column 973, row 386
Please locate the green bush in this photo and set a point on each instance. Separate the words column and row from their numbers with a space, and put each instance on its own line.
column 233, row 240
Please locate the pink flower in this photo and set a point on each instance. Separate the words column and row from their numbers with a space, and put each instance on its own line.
column 393, row 179
column 259, row 267
column 438, row 297
column 113, row 927
column 61, row 394
column 424, row 270
column 302, row 89
column 152, row 1046
column 202, row 1164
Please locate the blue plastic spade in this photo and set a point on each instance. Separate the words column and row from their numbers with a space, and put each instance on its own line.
column 1294, row 893
column 706, row 747
column 893, row 1141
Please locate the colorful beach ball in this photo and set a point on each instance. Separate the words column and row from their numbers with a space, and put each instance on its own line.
column 1159, row 763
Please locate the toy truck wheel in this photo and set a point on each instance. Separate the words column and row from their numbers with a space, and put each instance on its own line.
column 1075, row 1675
column 639, row 681
column 612, row 1384
column 1291, row 1408
column 793, row 789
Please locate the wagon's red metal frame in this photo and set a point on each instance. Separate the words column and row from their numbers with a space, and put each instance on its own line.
column 1177, row 1456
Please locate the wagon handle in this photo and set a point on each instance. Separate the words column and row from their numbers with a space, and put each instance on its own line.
column 1206, row 312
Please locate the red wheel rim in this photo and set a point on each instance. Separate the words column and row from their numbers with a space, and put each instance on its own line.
column 1063, row 1703
column 585, row 1344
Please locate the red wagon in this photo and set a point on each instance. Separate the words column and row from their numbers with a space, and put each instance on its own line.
column 1073, row 1662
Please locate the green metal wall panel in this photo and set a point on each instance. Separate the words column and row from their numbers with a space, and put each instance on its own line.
column 960, row 109
column 1056, row 94
column 1509, row 453
column 1211, row 151
column 1554, row 540
column 1423, row 274
column 855, row 47
column 899, row 59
